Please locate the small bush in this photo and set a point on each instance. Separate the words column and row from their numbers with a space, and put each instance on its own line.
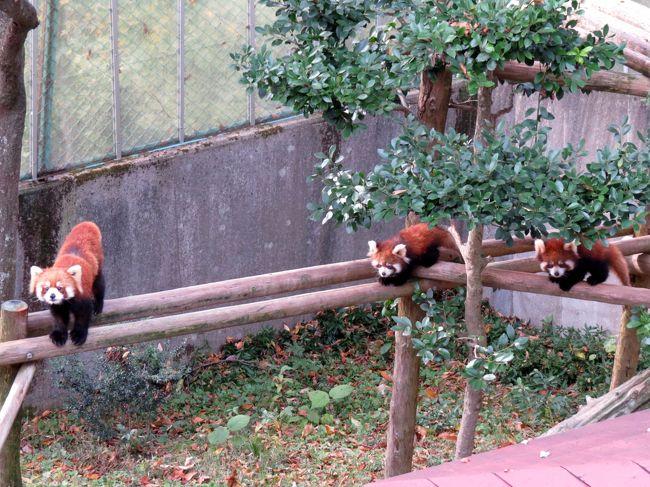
column 122, row 383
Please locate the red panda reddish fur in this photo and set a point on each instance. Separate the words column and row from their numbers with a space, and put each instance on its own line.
column 578, row 261
column 417, row 245
column 74, row 284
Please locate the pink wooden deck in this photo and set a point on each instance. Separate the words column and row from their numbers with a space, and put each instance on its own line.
column 609, row 454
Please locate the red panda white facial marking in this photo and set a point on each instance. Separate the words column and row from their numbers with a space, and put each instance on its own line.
column 555, row 268
column 385, row 269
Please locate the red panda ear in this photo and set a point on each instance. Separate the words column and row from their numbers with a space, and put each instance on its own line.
column 400, row 251
column 372, row 247
column 75, row 272
column 571, row 246
column 540, row 247
column 34, row 272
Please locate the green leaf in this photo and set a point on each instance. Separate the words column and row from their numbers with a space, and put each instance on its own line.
column 319, row 399
column 402, row 320
column 313, row 416
column 341, row 391
column 238, row 422
column 218, row 435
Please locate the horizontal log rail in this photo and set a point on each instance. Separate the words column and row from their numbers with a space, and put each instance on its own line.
column 39, row 348
column 608, row 81
column 202, row 296
column 14, row 400
column 498, row 248
column 531, row 283
column 638, row 245
column 215, row 293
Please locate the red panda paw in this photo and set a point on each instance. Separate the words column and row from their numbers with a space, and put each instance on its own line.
column 59, row 337
column 78, row 337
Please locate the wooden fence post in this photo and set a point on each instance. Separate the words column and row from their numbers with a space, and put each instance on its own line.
column 628, row 345
column 433, row 106
column 13, row 326
column 404, row 397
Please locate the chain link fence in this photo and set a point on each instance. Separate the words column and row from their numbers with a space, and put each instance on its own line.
column 107, row 78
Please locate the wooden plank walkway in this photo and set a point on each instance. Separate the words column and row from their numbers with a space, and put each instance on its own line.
column 608, row 454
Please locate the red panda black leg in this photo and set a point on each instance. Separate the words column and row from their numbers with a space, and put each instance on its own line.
column 82, row 309
column 99, row 289
column 61, row 315
column 598, row 272
column 430, row 257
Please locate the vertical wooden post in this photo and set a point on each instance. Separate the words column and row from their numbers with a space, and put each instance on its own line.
column 13, row 326
column 628, row 346
column 433, row 105
column 404, row 398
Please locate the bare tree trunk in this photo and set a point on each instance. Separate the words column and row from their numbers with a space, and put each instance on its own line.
column 628, row 345
column 433, row 104
column 474, row 325
column 17, row 18
column 474, row 264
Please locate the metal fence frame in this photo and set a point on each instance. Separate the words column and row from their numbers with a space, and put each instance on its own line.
column 37, row 125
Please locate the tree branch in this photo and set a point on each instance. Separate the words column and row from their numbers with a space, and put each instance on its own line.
column 20, row 12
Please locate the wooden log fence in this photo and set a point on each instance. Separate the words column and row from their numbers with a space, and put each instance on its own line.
column 608, row 81
column 639, row 245
column 14, row 400
column 443, row 274
column 215, row 293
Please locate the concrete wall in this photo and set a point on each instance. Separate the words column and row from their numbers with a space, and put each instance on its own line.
column 577, row 116
column 227, row 207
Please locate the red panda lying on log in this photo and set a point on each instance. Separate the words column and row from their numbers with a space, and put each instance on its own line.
column 417, row 245
column 74, row 284
column 568, row 264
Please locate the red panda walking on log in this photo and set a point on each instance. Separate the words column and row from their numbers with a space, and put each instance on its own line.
column 417, row 245
column 568, row 264
column 74, row 284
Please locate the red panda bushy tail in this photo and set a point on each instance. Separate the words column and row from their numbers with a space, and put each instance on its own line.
column 619, row 265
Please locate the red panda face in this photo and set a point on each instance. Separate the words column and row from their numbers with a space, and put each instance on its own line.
column 556, row 257
column 388, row 261
column 52, row 286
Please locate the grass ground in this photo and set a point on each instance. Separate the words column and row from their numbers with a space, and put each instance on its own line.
column 156, row 419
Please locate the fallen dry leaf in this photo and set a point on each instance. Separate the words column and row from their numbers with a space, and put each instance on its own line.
column 448, row 435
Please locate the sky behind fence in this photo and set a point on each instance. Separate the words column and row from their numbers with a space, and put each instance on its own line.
column 107, row 78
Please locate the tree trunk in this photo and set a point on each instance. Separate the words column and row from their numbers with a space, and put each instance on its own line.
column 17, row 18
column 433, row 104
column 628, row 345
column 474, row 264
column 13, row 326
column 404, row 398
column 475, row 329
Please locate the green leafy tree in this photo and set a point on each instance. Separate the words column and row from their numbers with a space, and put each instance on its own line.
column 334, row 58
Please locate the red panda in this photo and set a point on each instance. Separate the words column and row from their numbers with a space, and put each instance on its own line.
column 74, row 284
column 417, row 245
column 568, row 264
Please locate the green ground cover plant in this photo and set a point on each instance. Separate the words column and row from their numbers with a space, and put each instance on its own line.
column 302, row 405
